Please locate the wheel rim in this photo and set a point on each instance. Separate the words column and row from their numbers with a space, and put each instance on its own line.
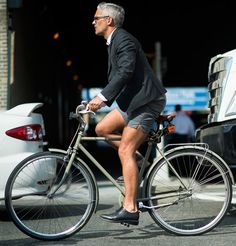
column 202, row 205
column 44, row 217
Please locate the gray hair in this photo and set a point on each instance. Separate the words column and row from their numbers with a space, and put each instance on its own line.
column 113, row 10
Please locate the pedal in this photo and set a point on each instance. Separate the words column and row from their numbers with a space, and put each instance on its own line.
column 142, row 210
column 120, row 180
column 125, row 224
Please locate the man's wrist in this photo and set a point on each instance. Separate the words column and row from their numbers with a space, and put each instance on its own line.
column 102, row 97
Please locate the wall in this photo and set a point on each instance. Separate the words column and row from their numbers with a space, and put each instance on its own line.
column 3, row 55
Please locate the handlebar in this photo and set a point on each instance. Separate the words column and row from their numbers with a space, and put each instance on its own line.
column 81, row 110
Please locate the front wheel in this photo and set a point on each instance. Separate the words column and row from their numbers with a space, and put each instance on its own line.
column 43, row 209
column 189, row 192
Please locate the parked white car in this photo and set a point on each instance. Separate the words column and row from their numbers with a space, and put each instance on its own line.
column 21, row 135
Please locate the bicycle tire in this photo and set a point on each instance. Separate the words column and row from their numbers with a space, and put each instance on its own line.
column 50, row 217
column 200, row 206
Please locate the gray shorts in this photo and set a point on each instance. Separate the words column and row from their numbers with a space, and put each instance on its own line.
column 145, row 116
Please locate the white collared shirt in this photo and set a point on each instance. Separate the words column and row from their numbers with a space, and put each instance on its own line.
column 109, row 38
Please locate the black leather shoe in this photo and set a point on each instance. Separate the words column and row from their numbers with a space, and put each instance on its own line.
column 122, row 216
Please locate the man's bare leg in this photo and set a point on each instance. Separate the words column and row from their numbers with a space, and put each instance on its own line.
column 112, row 126
column 131, row 140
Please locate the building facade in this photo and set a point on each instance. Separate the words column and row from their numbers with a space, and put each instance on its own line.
column 3, row 55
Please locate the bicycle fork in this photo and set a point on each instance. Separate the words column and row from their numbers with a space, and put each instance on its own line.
column 68, row 167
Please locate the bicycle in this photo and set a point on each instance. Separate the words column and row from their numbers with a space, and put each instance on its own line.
column 187, row 190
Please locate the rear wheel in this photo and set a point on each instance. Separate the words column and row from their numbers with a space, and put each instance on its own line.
column 41, row 211
column 190, row 193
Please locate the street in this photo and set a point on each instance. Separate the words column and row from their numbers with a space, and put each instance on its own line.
column 98, row 232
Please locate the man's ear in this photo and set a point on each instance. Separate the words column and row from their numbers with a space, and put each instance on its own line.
column 109, row 20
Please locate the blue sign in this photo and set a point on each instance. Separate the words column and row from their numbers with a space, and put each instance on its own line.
column 190, row 98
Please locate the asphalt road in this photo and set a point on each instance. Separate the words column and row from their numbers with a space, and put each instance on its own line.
column 100, row 233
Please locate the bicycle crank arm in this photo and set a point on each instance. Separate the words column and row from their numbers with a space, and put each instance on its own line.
column 141, row 205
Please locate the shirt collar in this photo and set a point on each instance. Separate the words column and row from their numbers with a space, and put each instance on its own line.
column 109, row 38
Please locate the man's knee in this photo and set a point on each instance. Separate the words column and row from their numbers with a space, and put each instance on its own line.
column 99, row 129
column 125, row 152
column 121, row 152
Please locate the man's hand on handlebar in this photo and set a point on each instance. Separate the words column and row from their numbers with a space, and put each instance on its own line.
column 95, row 104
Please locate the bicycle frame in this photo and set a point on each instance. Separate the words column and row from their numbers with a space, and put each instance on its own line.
column 76, row 145
column 79, row 146
column 72, row 151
